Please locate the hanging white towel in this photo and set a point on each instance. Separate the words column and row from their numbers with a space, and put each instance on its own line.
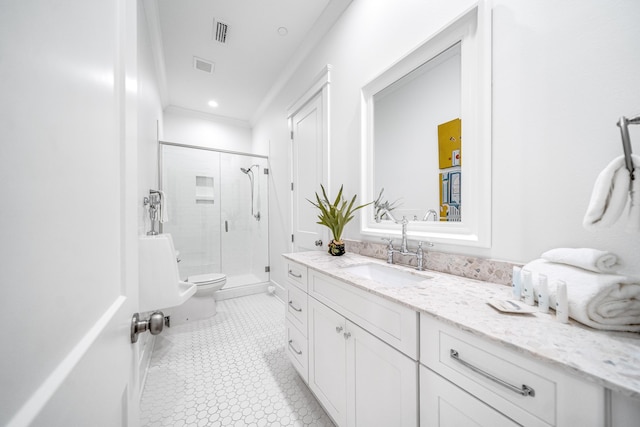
column 612, row 189
column 601, row 301
column 587, row 258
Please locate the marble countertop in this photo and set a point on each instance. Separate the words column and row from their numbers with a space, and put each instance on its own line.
column 611, row 359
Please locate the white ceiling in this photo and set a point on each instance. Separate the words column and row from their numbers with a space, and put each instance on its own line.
column 254, row 62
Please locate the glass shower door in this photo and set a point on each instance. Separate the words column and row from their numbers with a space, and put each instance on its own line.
column 218, row 213
column 244, row 216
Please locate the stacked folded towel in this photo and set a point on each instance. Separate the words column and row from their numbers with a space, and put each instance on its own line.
column 611, row 191
column 590, row 259
column 598, row 299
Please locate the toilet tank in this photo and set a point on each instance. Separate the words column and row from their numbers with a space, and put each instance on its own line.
column 159, row 281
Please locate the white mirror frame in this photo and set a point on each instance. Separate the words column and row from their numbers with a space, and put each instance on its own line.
column 473, row 30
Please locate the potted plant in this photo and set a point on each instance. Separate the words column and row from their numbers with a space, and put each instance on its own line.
column 335, row 216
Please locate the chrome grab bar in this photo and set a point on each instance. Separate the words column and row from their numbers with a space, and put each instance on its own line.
column 525, row 390
column 294, row 307
column 299, row 276
column 293, row 348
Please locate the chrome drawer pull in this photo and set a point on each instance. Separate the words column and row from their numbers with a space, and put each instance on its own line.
column 525, row 390
column 298, row 276
column 294, row 307
column 298, row 352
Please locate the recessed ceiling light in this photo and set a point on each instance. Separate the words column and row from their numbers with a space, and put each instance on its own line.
column 213, row 103
column 283, row 31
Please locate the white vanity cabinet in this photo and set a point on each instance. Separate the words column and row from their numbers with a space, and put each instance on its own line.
column 357, row 351
column 498, row 386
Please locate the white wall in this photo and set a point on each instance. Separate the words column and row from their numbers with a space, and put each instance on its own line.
column 563, row 73
column 149, row 120
column 203, row 130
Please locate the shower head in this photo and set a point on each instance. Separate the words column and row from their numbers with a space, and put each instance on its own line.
column 247, row 170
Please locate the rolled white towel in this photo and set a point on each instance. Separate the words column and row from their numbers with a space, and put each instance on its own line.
column 612, row 189
column 601, row 301
column 587, row 258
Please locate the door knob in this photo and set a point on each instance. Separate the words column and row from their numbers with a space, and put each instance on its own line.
column 153, row 324
column 318, row 242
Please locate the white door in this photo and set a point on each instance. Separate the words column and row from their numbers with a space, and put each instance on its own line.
column 308, row 135
column 382, row 386
column 68, row 213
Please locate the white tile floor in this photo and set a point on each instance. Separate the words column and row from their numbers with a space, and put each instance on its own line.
column 230, row 370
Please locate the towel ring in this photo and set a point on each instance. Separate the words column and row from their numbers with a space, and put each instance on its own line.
column 623, row 124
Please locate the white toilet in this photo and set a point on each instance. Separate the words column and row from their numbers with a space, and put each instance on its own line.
column 202, row 304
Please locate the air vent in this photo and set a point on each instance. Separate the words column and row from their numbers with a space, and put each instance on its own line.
column 203, row 65
column 220, row 31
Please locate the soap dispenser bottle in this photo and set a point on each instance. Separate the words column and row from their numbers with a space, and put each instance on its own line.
column 527, row 287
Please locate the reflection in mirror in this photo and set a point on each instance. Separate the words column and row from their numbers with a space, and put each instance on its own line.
column 410, row 162
column 413, row 117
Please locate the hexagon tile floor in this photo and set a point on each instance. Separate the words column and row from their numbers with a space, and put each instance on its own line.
column 230, row 370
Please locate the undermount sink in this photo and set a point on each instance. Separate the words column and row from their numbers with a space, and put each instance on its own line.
column 386, row 276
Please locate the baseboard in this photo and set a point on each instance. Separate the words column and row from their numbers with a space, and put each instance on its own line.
column 281, row 291
column 241, row 291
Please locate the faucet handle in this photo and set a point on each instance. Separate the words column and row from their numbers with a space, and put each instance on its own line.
column 427, row 243
column 389, row 240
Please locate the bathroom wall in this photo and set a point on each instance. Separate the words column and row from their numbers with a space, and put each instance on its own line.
column 206, row 130
column 149, row 119
column 562, row 75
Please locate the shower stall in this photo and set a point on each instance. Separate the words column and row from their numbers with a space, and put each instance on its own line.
column 217, row 205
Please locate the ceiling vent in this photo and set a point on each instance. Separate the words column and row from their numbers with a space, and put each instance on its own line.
column 203, row 65
column 220, row 31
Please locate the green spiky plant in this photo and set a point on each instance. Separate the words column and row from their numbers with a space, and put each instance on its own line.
column 335, row 216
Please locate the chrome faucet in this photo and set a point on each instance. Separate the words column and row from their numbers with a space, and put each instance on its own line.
column 429, row 213
column 403, row 244
column 404, row 250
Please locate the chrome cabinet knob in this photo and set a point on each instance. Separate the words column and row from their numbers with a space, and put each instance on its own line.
column 318, row 242
column 339, row 329
column 347, row 335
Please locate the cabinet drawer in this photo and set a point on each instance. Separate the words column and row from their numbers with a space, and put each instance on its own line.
column 393, row 323
column 297, row 308
column 442, row 404
column 495, row 375
column 297, row 274
column 297, row 348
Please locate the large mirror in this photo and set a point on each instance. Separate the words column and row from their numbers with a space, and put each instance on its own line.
column 426, row 139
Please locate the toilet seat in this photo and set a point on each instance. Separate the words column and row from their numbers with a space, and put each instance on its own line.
column 208, row 280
